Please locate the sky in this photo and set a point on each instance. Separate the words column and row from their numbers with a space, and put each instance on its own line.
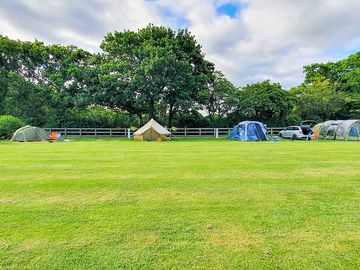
column 248, row 40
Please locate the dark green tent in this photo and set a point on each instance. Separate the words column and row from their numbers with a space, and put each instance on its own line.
column 30, row 134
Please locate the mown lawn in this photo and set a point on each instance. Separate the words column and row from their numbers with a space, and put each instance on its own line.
column 205, row 204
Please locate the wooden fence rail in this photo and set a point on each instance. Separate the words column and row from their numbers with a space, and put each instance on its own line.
column 127, row 133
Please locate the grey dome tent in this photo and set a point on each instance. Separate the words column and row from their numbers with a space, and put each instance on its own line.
column 30, row 134
column 346, row 130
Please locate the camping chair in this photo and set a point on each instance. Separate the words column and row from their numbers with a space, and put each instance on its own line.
column 55, row 136
column 59, row 137
column 315, row 136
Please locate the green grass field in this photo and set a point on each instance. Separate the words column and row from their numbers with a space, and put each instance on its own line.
column 204, row 204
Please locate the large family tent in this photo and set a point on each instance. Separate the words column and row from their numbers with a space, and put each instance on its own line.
column 151, row 131
column 30, row 134
column 249, row 131
column 346, row 130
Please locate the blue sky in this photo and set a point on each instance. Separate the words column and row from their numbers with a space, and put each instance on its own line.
column 229, row 9
column 248, row 40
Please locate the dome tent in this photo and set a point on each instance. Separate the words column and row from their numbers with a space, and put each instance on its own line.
column 30, row 134
column 249, row 131
column 346, row 130
column 151, row 131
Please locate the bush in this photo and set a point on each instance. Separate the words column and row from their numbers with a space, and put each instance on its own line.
column 90, row 117
column 8, row 125
column 191, row 119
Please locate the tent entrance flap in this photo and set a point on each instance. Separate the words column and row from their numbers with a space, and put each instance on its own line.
column 259, row 132
column 150, row 135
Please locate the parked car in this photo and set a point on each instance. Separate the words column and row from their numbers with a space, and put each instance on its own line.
column 293, row 132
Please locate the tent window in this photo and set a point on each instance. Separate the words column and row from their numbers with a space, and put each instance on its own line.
column 251, row 130
column 353, row 132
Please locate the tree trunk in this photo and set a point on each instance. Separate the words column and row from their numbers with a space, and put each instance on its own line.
column 152, row 108
column 211, row 115
column 171, row 114
column 211, row 118
column 141, row 119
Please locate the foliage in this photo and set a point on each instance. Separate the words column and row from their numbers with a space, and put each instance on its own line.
column 218, row 98
column 191, row 119
column 342, row 86
column 351, row 107
column 344, row 75
column 153, row 69
column 265, row 101
column 161, row 73
column 319, row 101
column 26, row 100
column 98, row 117
column 8, row 125
column 39, row 81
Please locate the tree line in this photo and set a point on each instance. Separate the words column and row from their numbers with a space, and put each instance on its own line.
column 159, row 73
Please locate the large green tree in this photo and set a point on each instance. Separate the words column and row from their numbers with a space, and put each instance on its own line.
column 344, row 75
column 319, row 101
column 341, row 81
column 26, row 100
column 38, row 82
column 219, row 97
column 151, row 69
column 21, row 68
column 263, row 101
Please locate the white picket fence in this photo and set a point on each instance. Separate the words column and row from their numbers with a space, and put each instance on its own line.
column 127, row 133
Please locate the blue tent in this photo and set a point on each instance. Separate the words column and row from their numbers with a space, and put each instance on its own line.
column 249, row 131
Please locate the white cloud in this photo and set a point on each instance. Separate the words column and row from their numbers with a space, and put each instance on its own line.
column 83, row 23
column 266, row 40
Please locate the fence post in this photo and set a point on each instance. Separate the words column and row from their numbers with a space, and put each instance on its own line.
column 110, row 132
column 65, row 131
column 271, row 132
column 199, row 132
column 185, row 132
column 80, row 132
column 216, row 133
column 95, row 132
column 128, row 133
